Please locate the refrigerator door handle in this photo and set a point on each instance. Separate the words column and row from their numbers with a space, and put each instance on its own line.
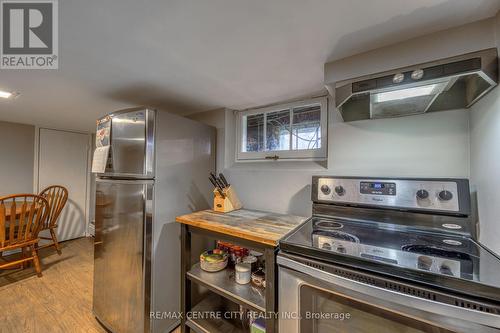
column 149, row 160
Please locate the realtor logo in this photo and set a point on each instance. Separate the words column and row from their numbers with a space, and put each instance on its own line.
column 29, row 36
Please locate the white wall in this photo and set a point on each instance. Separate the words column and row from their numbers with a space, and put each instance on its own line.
column 17, row 151
column 485, row 166
column 485, row 162
column 432, row 145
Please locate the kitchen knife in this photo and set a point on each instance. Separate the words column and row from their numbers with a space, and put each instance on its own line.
column 218, row 181
column 214, row 183
column 221, row 176
column 213, row 179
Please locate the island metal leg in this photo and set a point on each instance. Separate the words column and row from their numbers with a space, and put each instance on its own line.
column 185, row 282
column 271, row 290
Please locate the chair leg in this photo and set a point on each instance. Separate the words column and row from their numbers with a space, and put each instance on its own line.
column 24, row 252
column 56, row 243
column 36, row 261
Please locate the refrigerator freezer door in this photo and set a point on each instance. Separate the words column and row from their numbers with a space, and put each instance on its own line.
column 132, row 143
column 122, row 254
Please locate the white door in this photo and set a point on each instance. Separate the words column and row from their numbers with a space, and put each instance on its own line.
column 63, row 160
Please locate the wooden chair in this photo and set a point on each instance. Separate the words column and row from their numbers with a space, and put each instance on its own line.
column 21, row 216
column 57, row 196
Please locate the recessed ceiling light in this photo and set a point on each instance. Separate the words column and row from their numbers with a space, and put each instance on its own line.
column 7, row 94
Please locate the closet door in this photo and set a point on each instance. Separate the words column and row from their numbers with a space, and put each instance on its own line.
column 63, row 160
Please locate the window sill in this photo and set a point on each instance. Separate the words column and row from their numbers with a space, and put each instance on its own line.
column 282, row 164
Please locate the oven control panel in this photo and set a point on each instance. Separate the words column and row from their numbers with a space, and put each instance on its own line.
column 416, row 194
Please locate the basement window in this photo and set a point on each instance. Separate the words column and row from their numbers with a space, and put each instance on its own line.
column 292, row 131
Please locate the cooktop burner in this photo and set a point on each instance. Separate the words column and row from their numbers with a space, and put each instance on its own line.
column 328, row 225
column 435, row 251
column 339, row 235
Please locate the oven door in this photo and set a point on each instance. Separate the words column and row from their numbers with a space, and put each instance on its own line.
column 313, row 298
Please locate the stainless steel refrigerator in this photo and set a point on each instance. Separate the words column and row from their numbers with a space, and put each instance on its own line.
column 156, row 169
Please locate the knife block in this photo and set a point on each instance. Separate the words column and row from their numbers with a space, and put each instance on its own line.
column 227, row 204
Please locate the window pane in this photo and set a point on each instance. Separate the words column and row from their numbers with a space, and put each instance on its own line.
column 306, row 127
column 254, row 127
column 278, row 130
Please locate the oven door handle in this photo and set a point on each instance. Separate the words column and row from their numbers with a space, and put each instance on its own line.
column 391, row 296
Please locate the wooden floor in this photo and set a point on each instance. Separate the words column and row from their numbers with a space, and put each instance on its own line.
column 60, row 301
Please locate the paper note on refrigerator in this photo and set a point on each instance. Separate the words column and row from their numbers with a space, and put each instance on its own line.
column 100, row 159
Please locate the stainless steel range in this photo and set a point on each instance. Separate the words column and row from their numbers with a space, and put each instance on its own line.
column 388, row 255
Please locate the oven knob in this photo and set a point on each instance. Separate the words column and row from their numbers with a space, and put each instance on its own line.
column 445, row 195
column 325, row 189
column 341, row 249
column 424, row 262
column 422, row 194
column 339, row 190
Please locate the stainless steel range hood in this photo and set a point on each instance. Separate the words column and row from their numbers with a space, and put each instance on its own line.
column 451, row 83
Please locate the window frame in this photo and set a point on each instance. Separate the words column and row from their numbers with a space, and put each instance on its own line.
column 319, row 154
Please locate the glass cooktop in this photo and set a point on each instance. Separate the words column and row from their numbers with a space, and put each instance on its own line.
column 441, row 259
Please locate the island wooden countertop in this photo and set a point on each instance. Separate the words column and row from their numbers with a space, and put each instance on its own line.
column 258, row 226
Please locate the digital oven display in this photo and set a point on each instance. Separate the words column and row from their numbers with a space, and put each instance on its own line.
column 378, row 188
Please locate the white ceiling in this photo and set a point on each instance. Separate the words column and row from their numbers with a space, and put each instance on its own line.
column 192, row 56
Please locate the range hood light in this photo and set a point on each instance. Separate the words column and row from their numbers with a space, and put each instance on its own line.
column 6, row 94
column 398, row 78
column 404, row 93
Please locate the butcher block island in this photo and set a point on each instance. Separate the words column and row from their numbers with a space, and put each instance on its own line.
column 258, row 226
column 228, row 300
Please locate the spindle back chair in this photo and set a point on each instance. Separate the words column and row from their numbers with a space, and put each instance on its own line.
column 57, row 196
column 21, row 216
